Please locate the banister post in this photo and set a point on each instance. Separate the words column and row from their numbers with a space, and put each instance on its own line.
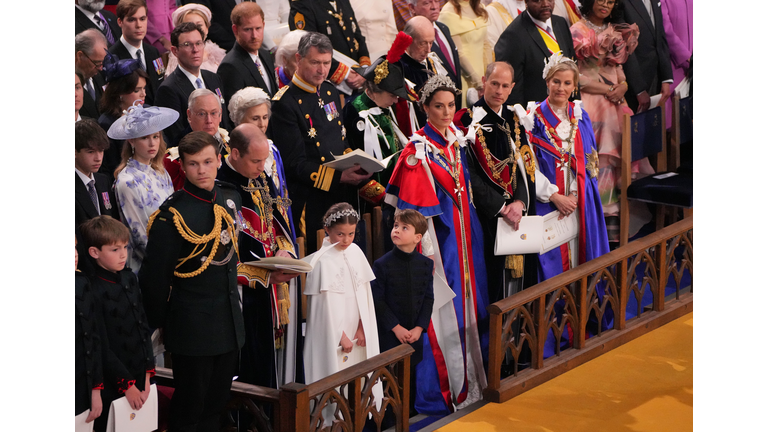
column 294, row 408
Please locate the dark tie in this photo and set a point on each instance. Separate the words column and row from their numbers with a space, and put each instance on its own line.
column 94, row 197
column 91, row 90
column 107, row 30
column 446, row 52
column 141, row 60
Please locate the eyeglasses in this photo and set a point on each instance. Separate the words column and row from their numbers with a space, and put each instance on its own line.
column 213, row 114
column 98, row 63
column 606, row 2
column 198, row 44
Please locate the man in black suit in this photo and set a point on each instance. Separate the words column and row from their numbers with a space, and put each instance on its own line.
column 90, row 14
column 648, row 69
column 132, row 18
column 90, row 50
column 196, row 301
column 443, row 44
column 93, row 190
column 248, row 64
column 529, row 40
column 187, row 45
column 220, row 30
column 417, row 68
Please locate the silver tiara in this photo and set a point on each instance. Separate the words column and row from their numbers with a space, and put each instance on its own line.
column 433, row 83
column 340, row 214
column 554, row 60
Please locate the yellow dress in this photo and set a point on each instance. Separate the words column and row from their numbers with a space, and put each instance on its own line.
column 469, row 35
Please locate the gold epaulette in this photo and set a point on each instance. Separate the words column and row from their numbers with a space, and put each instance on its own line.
column 280, row 93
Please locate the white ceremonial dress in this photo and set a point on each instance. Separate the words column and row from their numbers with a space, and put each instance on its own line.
column 338, row 296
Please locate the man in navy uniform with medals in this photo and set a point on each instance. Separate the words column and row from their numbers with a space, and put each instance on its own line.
column 270, row 299
column 189, row 285
column 307, row 126
column 504, row 162
column 336, row 20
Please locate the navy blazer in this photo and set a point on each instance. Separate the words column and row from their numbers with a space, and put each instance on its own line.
column 238, row 71
column 649, row 65
column 82, row 23
column 522, row 46
column 174, row 93
column 455, row 77
column 156, row 74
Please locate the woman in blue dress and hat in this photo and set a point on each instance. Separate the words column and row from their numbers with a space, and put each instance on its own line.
column 142, row 183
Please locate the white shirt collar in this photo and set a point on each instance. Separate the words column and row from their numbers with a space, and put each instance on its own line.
column 192, row 78
column 254, row 57
column 84, row 177
column 91, row 16
column 78, row 119
column 132, row 49
column 542, row 24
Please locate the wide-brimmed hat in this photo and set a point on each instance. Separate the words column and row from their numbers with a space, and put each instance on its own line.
column 387, row 73
column 115, row 68
column 140, row 121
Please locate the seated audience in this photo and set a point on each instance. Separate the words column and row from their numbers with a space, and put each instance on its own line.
column 79, row 83
column 247, row 64
column 285, row 57
column 90, row 49
column 126, row 84
column 187, row 41
column 200, row 15
column 132, row 18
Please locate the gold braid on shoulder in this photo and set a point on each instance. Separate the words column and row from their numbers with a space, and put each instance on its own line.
column 200, row 242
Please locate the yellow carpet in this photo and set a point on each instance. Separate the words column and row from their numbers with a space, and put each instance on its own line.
column 645, row 385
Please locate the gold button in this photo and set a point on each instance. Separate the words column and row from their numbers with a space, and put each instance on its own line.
column 299, row 101
column 329, row 92
column 306, row 115
column 322, row 158
column 343, row 27
column 339, row 122
column 318, row 143
column 347, row 38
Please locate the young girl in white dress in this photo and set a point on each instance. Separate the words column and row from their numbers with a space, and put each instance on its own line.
column 340, row 311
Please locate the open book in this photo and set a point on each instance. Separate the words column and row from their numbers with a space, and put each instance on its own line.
column 367, row 162
column 304, row 265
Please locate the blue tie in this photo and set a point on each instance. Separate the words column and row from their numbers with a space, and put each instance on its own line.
column 199, row 83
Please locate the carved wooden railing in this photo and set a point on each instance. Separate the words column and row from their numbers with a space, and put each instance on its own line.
column 520, row 324
column 348, row 395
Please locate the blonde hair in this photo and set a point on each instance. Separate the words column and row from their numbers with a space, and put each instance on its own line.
column 156, row 163
column 564, row 66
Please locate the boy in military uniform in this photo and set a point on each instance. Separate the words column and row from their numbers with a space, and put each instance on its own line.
column 189, row 284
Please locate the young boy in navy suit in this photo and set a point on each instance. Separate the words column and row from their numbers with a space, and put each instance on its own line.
column 402, row 290
column 129, row 362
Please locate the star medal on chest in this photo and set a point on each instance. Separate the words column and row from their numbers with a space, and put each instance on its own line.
column 312, row 132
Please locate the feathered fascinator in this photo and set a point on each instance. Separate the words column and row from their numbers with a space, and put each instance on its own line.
column 386, row 71
column 115, row 68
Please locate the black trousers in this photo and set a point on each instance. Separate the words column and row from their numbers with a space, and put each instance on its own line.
column 202, row 391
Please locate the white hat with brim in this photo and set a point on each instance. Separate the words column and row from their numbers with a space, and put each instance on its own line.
column 139, row 121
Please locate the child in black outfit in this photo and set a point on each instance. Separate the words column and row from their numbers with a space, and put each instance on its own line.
column 129, row 361
column 88, row 348
column 402, row 290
